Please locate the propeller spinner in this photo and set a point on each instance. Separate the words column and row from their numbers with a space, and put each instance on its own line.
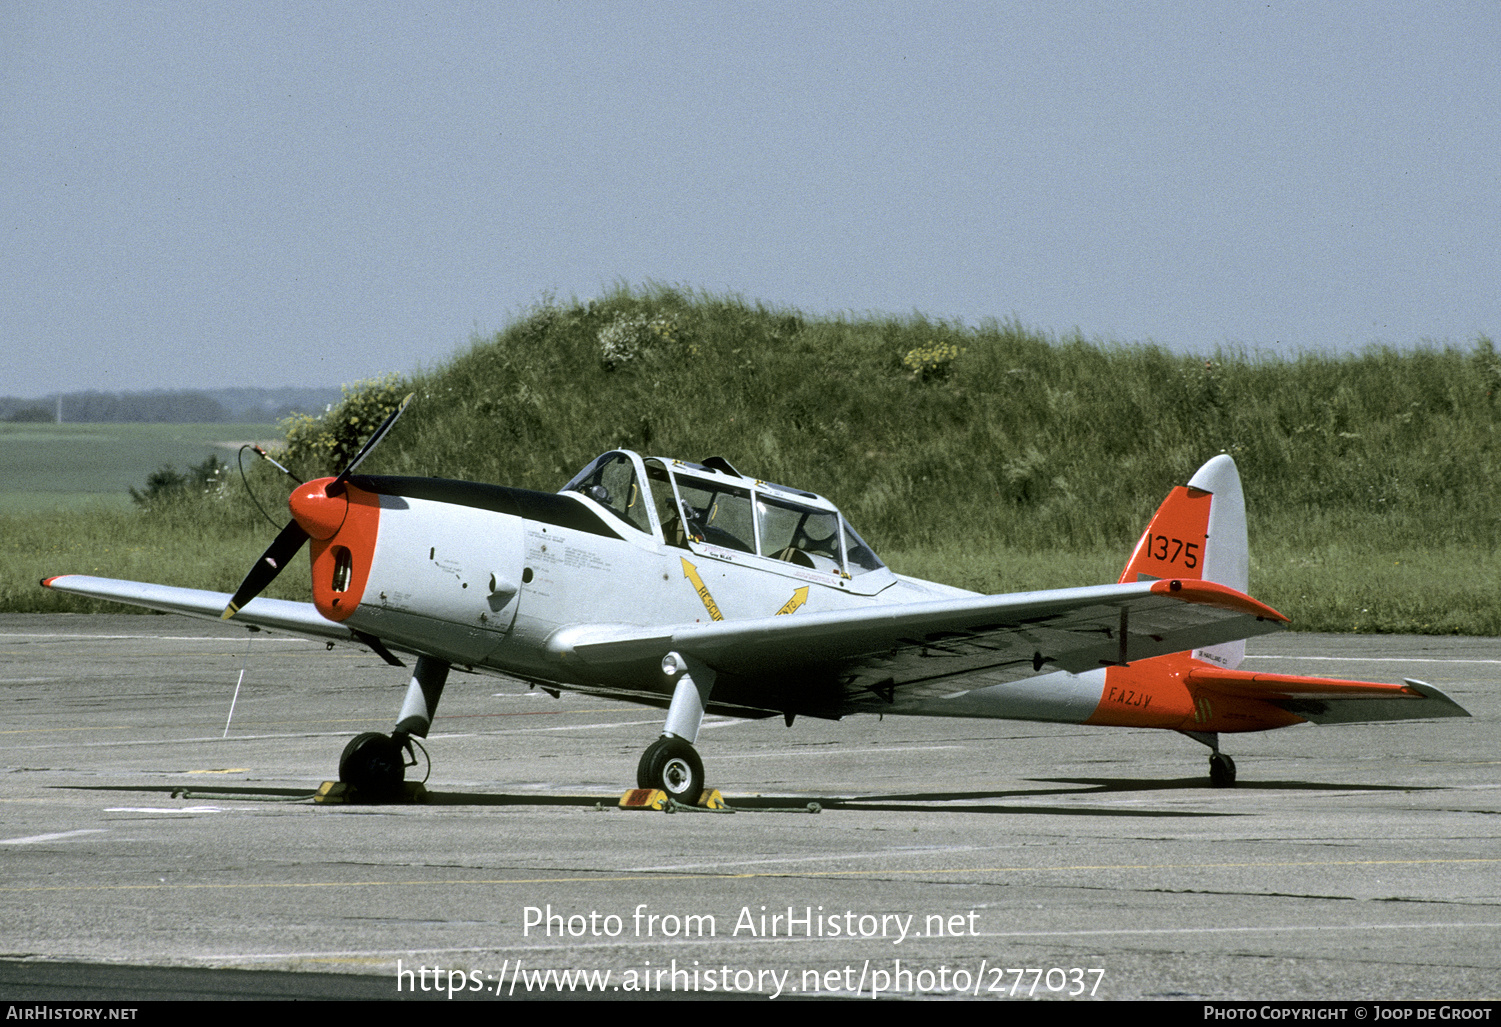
column 311, row 507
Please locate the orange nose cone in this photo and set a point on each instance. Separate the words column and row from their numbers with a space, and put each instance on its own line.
column 320, row 514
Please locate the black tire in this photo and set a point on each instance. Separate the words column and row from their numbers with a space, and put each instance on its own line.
column 643, row 767
column 672, row 765
column 1221, row 771
column 373, row 765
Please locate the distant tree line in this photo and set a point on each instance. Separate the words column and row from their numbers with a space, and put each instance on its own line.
column 221, row 406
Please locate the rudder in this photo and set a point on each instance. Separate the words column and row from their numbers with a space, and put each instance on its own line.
column 1199, row 533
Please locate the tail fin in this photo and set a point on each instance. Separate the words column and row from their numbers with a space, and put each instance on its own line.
column 1199, row 533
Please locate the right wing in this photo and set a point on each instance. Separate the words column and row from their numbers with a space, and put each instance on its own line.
column 875, row 654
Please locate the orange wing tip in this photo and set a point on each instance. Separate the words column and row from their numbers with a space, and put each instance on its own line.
column 47, row 582
column 1211, row 593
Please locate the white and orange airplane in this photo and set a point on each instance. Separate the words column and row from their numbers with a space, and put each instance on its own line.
column 692, row 587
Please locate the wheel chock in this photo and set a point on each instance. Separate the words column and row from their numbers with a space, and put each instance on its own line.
column 656, row 799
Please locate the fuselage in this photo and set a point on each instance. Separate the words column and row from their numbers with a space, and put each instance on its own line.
column 489, row 578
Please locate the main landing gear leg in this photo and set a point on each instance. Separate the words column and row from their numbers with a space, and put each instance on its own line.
column 1221, row 767
column 373, row 764
column 671, row 763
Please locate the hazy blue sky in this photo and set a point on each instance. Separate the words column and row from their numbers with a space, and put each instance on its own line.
column 213, row 194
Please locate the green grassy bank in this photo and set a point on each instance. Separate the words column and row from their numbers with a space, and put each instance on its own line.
column 988, row 456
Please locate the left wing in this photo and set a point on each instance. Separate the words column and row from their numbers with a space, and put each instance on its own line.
column 930, row 649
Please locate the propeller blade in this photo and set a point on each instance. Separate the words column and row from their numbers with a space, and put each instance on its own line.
column 292, row 537
column 265, row 570
column 380, row 433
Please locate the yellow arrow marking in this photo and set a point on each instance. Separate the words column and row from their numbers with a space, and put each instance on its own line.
column 691, row 573
column 798, row 599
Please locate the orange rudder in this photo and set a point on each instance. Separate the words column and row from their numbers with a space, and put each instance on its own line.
column 1199, row 533
column 1173, row 544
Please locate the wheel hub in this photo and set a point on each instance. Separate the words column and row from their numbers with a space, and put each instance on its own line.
column 676, row 774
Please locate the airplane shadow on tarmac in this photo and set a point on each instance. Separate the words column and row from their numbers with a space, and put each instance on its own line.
column 984, row 801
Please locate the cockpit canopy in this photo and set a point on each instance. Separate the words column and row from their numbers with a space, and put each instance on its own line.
column 712, row 504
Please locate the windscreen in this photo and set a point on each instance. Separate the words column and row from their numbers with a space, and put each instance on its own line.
column 611, row 482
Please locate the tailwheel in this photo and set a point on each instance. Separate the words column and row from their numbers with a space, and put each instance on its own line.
column 673, row 766
column 373, row 766
column 1221, row 771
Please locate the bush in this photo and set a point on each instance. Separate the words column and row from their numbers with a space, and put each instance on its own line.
column 318, row 446
column 629, row 337
column 169, row 485
column 931, row 360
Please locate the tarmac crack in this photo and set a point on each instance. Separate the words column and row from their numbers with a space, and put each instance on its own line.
column 1245, row 894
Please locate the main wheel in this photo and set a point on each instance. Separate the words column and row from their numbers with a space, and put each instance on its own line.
column 1221, row 770
column 372, row 764
column 672, row 765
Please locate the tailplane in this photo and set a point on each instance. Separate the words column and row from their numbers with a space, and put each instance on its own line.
column 1199, row 533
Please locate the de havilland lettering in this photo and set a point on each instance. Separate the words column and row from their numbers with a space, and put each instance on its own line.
column 692, row 587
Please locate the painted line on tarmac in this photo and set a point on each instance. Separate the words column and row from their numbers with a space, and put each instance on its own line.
column 534, row 713
column 915, row 851
column 833, row 750
column 561, row 727
column 158, row 638
column 315, row 734
column 1231, row 930
column 584, row 876
column 373, row 955
column 34, row 839
column 217, row 739
column 163, row 809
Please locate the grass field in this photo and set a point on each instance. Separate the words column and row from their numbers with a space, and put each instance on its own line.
column 72, row 466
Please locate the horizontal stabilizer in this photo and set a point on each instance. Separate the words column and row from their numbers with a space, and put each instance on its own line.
column 1330, row 700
